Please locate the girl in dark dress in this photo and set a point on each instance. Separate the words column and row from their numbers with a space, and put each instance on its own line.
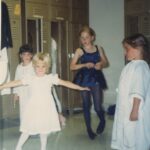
column 92, row 61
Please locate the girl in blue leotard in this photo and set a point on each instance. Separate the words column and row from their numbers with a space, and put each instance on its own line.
column 92, row 61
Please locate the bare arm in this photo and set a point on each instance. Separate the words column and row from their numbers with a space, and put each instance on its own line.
column 72, row 85
column 11, row 84
column 104, row 61
column 74, row 62
column 135, row 109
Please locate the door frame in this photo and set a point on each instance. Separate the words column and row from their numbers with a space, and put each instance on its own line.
column 39, row 31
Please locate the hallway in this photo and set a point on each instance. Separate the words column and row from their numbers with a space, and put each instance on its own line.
column 72, row 137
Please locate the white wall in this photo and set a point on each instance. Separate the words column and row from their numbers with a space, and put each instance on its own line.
column 107, row 19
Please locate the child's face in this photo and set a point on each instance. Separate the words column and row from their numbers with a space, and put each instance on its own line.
column 130, row 52
column 40, row 68
column 86, row 38
column 26, row 57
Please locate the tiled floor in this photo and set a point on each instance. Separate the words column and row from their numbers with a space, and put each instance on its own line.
column 72, row 137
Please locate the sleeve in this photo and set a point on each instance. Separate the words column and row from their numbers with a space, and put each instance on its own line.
column 138, row 83
column 27, row 80
column 54, row 79
column 15, row 90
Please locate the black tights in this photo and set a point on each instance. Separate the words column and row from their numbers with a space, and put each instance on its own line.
column 97, row 94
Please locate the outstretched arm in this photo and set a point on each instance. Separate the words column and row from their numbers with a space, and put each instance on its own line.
column 72, row 85
column 11, row 84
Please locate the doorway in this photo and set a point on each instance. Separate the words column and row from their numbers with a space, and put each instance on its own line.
column 34, row 34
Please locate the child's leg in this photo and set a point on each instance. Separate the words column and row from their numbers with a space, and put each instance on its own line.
column 62, row 120
column 86, row 97
column 57, row 101
column 43, row 138
column 97, row 93
column 22, row 140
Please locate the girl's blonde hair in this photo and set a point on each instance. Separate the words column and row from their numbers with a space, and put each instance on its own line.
column 45, row 57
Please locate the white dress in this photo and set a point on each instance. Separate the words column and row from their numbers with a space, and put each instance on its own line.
column 143, row 138
column 40, row 115
column 23, row 91
column 134, row 82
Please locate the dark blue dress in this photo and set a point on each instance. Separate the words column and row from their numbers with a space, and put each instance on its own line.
column 90, row 77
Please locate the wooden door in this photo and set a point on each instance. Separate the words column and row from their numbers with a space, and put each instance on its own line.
column 74, row 96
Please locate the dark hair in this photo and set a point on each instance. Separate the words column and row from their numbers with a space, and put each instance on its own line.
column 25, row 48
column 139, row 40
column 88, row 30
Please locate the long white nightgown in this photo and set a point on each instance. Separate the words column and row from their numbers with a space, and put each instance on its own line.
column 23, row 91
column 54, row 70
column 40, row 115
column 134, row 82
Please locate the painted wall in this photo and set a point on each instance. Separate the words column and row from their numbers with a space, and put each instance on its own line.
column 107, row 19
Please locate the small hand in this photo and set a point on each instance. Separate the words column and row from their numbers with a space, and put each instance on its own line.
column 98, row 66
column 86, row 89
column 133, row 116
column 90, row 65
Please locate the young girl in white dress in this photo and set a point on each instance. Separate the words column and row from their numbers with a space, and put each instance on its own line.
column 131, row 129
column 40, row 115
column 24, row 68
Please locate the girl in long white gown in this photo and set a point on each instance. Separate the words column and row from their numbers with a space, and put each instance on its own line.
column 130, row 126
column 40, row 115
column 54, row 92
column 24, row 68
